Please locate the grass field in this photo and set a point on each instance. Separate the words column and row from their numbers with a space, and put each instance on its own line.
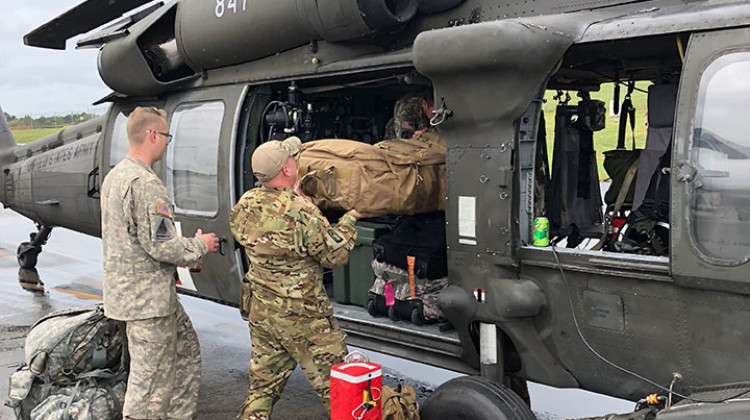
column 26, row 136
column 605, row 139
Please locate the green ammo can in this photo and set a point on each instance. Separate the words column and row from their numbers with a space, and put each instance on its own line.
column 353, row 281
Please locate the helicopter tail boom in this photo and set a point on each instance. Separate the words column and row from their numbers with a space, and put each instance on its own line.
column 7, row 141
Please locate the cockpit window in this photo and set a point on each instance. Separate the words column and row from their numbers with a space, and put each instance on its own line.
column 720, row 154
column 192, row 158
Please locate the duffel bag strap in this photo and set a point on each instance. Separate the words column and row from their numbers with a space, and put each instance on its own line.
column 69, row 400
column 87, row 347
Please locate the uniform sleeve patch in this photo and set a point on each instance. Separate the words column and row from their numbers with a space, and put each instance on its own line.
column 407, row 125
column 334, row 240
column 163, row 210
column 162, row 233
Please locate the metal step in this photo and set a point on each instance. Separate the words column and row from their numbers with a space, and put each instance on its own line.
column 424, row 344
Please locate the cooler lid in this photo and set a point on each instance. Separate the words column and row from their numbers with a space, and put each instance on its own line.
column 356, row 372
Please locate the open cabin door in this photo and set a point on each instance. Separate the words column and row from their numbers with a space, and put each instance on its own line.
column 710, row 211
column 199, row 176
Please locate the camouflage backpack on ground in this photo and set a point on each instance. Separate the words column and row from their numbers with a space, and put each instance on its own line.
column 399, row 403
column 75, row 368
column 93, row 399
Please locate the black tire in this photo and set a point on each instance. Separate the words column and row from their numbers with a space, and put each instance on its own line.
column 26, row 257
column 378, row 252
column 416, row 316
column 393, row 314
column 475, row 398
column 372, row 307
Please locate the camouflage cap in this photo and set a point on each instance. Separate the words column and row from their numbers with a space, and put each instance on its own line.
column 271, row 156
column 408, row 115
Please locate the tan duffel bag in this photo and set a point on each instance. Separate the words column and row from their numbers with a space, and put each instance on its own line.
column 399, row 176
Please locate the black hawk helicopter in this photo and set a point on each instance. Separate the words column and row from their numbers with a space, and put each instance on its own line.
column 660, row 308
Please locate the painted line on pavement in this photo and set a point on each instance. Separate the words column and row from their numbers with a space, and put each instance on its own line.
column 77, row 294
column 40, row 288
column 84, row 279
column 80, row 295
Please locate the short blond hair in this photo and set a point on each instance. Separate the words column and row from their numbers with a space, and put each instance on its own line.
column 141, row 120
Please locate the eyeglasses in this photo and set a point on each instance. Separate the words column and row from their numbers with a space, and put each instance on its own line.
column 167, row 135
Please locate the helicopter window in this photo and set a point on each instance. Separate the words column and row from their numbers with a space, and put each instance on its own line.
column 120, row 145
column 720, row 191
column 192, row 158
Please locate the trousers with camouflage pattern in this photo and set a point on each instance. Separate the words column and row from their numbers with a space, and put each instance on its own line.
column 165, row 368
column 280, row 342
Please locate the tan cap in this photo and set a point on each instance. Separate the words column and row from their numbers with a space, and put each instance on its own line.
column 271, row 156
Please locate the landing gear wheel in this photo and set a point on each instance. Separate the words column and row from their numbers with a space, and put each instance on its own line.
column 521, row 388
column 27, row 256
column 475, row 398
column 28, row 252
column 393, row 314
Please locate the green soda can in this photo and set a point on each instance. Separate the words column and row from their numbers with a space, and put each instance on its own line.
column 541, row 232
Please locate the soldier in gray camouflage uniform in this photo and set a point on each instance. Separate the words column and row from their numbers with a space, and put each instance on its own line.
column 288, row 242
column 390, row 129
column 141, row 252
column 411, row 114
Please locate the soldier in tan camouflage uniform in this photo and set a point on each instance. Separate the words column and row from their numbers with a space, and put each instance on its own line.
column 411, row 114
column 288, row 242
column 141, row 252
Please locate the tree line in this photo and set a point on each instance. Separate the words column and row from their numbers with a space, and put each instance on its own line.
column 29, row 122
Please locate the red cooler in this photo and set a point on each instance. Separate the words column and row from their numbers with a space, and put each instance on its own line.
column 355, row 391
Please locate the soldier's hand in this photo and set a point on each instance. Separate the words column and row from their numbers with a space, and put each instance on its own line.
column 210, row 239
column 359, row 215
column 197, row 267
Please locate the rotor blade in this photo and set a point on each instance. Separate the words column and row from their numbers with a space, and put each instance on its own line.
column 116, row 30
column 82, row 18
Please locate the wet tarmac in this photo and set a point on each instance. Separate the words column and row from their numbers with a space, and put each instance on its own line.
column 70, row 269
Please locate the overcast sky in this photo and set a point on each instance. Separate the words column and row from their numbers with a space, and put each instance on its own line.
column 38, row 81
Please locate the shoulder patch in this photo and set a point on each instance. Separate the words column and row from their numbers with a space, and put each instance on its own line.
column 406, row 125
column 162, row 233
column 163, row 209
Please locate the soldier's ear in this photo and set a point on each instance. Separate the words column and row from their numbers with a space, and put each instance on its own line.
column 287, row 168
column 427, row 108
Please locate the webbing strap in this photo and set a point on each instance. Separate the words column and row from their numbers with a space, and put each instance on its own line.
column 629, row 177
column 69, row 400
column 629, row 114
